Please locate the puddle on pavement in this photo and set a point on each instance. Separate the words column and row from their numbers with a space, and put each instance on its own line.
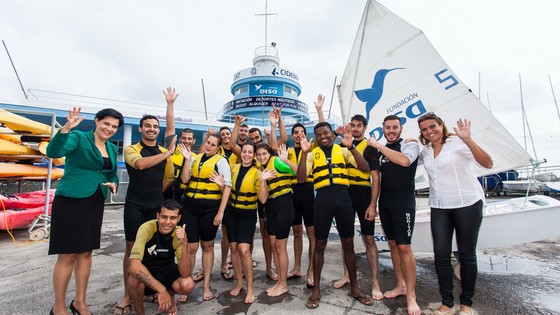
column 505, row 265
column 548, row 301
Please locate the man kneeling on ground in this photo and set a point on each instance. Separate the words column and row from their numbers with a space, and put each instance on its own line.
column 152, row 260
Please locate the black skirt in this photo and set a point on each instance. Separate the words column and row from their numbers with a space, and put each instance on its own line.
column 76, row 224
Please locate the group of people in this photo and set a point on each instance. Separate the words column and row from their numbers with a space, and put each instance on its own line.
column 177, row 199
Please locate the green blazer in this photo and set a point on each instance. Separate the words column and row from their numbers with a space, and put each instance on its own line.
column 83, row 169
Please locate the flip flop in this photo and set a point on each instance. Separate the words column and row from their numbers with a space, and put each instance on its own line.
column 311, row 304
column 310, row 284
column 364, row 299
column 227, row 275
column 122, row 309
column 198, row 277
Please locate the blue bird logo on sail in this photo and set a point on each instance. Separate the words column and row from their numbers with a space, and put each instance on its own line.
column 371, row 96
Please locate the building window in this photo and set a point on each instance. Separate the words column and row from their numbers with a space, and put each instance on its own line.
column 289, row 90
column 241, row 90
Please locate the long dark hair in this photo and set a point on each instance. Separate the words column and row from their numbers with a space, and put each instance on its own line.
column 252, row 145
column 439, row 121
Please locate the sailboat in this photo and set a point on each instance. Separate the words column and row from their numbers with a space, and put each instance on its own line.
column 394, row 69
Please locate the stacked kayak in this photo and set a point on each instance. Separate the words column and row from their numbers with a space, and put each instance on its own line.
column 23, row 142
column 29, row 171
column 20, row 210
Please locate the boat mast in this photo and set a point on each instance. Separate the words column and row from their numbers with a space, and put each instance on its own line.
column 526, row 122
column 554, row 96
column 265, row 14
column 345, row 116
column 332, row 96
column 13, row 66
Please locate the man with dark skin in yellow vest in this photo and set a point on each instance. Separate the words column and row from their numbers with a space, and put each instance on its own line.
column 327, row 163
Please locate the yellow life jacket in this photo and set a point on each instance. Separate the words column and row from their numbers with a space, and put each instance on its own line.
column 325, row 174
column 295, row 159
column 232, row 159
column 246, row 196
column 178, row 160
column 200, row 183
column 279, row 185
column 355, row 176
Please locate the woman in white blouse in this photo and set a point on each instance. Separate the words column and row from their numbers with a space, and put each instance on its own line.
column 456, row 201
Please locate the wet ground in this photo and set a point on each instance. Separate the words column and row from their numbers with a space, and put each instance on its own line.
column 515, row 280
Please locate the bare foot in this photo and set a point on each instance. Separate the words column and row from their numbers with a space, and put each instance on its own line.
column 250, row 298
column 412, row 307
column 376, row 293
column 397, row 291
column 295, row 273
column 271, row 288
column 207, row 295
column 235, row 291
column 182, row 298
column 342, row 282
column 277, row 291
column 272, row 275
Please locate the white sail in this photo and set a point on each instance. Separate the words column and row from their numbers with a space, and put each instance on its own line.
column 394, row 69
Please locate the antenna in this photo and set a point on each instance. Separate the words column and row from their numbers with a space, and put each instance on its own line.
column 266, row 14
column 13, row 66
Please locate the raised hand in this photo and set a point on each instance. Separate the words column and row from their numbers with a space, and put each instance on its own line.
column 273, row 118
column 283, row 152
column 277, row 111
column 347, row 140
column 305, row 145
column 182, row 234
column 170, row 95
column 319, row 102
column 463, row 129
column 217, row 178
column 171, row 147
column 267, row 133
column 73, row 119
column 186, row 152
column 239, row 119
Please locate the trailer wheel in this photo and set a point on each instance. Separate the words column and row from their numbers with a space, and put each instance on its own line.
column 38, row 234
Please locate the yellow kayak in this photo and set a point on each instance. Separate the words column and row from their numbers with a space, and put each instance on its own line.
column 7, row 134
column 20, row 124
column 10, row 148
column 43, row 149
column 23, row 170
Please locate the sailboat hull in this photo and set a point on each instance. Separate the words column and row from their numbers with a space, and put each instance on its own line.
column 522, row 186
column 505, row 223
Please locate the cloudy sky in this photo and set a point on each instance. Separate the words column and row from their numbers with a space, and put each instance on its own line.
column 130, row 50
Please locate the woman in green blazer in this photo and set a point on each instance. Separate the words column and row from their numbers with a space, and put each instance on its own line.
column 77, row 209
